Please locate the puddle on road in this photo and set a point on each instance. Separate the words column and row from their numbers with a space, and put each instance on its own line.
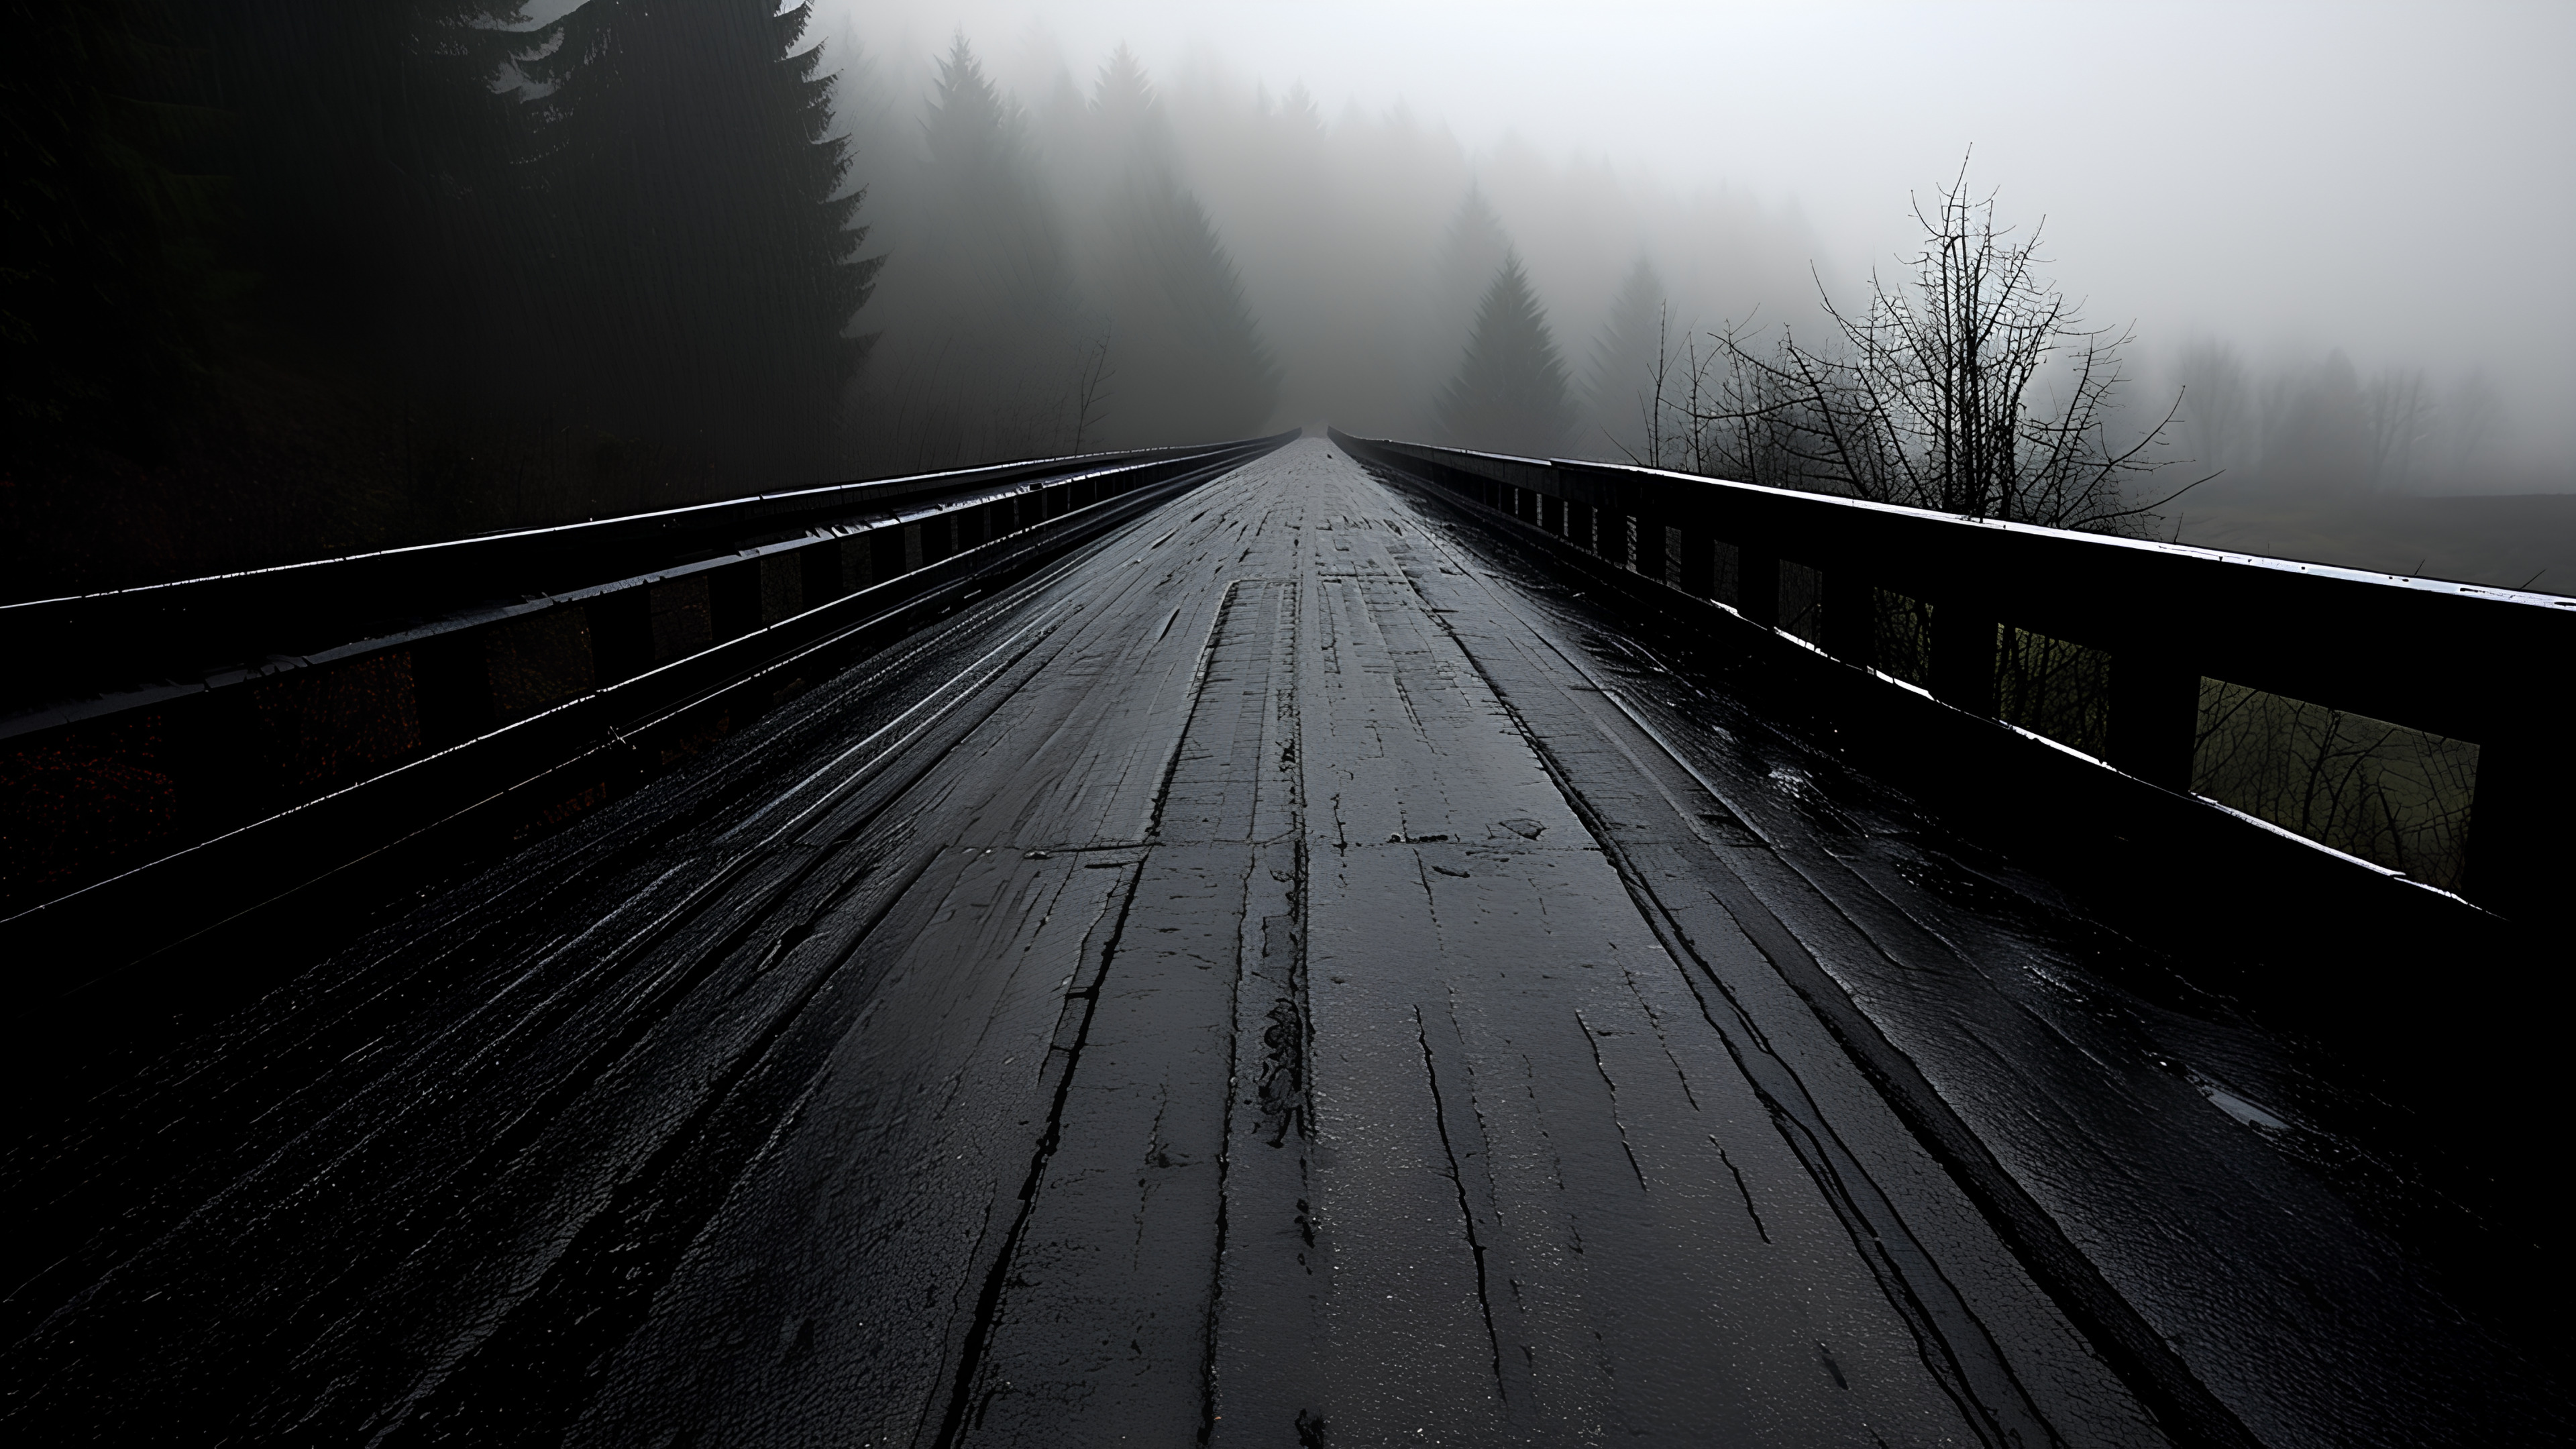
column 2243, row 1109
column 2249, row 1113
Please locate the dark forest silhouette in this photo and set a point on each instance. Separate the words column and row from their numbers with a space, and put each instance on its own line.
column 289, row 277
column 980, row 314
column 1052, row 283
column 1175, row 326
column 284, row 278
column 697, row 277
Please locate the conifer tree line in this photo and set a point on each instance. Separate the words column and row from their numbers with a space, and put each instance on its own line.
column 287, row 277
column 1052, row 282
column 646, row 250
column 379, row 257
column 417, row 265
column 1511, row 391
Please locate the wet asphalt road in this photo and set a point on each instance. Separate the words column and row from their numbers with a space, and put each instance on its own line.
column 1297, row 974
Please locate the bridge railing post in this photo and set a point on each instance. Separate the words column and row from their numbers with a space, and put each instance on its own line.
column 1757, row 583
column 858, row 561
column 1648, row 557
column 825, row 578
column 2155, row 715
column 451, row 688
column 2517, row 856
column 621, row 634
column 782, row 586
column 1850, row 623
column 887, row 556
column 1697, row 575
column 938, row 537
column 733, row 599
column 1964, row 648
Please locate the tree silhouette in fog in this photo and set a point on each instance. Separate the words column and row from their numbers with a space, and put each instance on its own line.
column 1510, row 393
column 377, row 162
column 171, row 168
column 980, row 343
column 1619, row 377
column 1470, row 250
column 1188, row 358
column 1971, row 388
column 705, row 270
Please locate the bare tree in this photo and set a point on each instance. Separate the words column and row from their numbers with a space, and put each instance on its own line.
column 2221, row 428
column 1091, row 394
column 1651, row 409
column 2377, row 790
column 1973, row 388
column 1701, row 413
column 2401, row 413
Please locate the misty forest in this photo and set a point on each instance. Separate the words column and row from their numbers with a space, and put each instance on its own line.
column 288, row 279
column 739, row 722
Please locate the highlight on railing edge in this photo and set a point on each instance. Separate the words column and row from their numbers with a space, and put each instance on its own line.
column 145, row 722
column 2331, row 661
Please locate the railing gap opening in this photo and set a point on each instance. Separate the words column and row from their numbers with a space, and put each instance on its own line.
column 2393, row 796
column 2054, row 688
column 1802, row 601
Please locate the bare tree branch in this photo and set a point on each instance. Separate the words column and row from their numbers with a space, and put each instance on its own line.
column 1972, row 387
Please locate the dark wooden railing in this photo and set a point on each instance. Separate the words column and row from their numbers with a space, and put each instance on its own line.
column 138, row 725
column 2491, row 666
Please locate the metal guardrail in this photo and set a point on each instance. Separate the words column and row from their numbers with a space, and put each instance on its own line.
column 2492, row 666
column 138, row 725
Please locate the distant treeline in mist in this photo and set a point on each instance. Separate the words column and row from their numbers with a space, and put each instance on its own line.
column 291, row 277
column 2322, row 429
column 288, row 277
column 1052, row 284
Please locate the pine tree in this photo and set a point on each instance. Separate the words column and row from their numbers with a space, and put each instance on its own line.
column 162, row 161
column 980, row 337
column 1470, row 252
column 985, row 237
column 1510, row 393
column 705, row 271
column 1188, row 357
column 1619, row 376
column 373, row 141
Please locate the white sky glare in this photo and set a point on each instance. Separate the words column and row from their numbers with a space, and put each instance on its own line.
column 2399, row 181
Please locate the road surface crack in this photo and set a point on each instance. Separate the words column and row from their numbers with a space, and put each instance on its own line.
column 988, row 1303
column 1466, row 1214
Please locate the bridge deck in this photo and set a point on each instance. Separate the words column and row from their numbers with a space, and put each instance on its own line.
column 1285, row 977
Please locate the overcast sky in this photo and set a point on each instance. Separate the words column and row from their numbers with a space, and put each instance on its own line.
column 2399, row 181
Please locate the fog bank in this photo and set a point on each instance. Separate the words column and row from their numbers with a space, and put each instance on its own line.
column 2288, row 182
